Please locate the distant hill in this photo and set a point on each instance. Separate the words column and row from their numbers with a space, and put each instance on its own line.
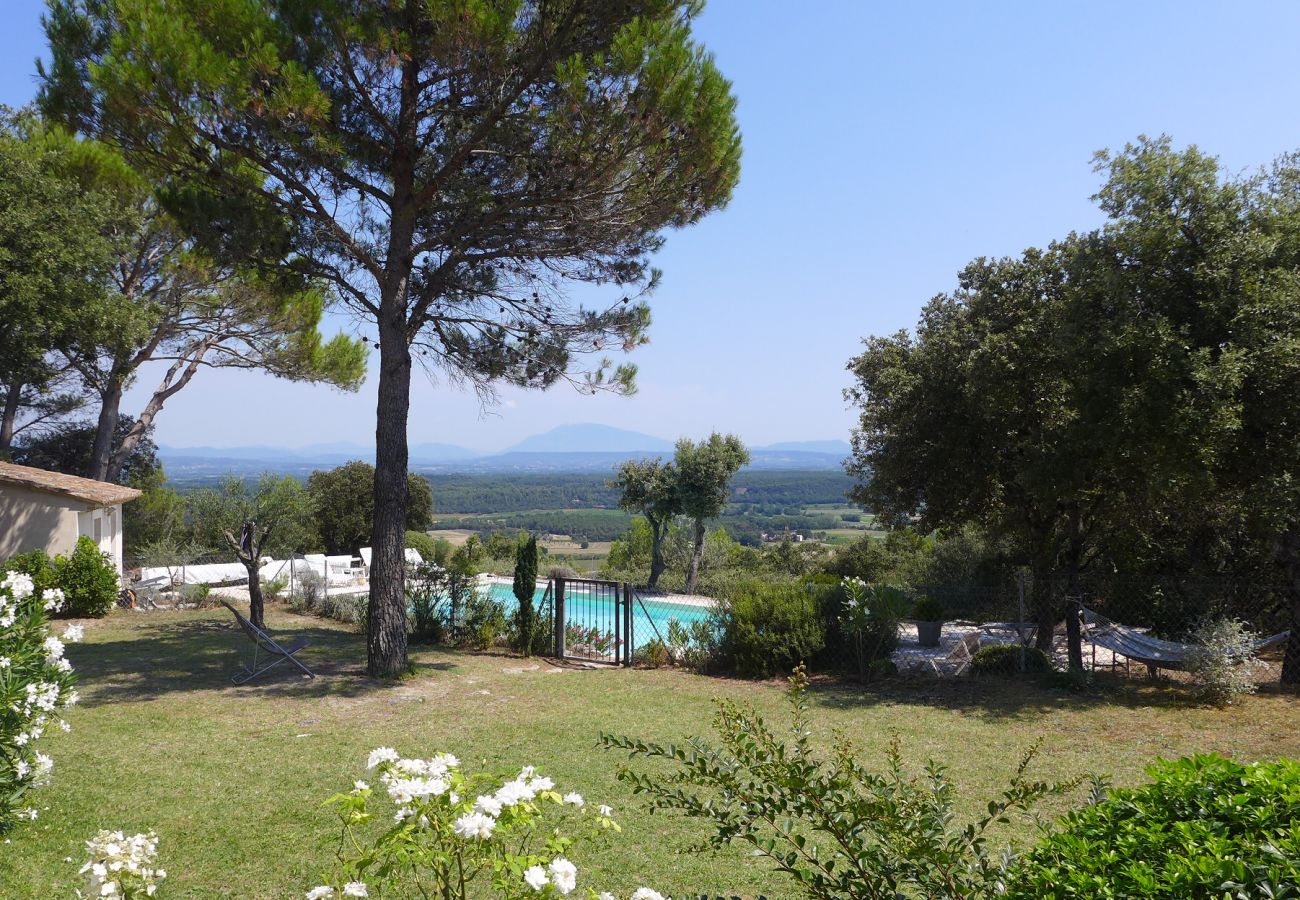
column 569, row 448
column 840, row 447
column 591, row 438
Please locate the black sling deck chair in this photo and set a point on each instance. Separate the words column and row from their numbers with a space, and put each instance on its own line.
column 265, row 645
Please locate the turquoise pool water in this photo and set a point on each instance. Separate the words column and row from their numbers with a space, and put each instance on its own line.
column 649, row 614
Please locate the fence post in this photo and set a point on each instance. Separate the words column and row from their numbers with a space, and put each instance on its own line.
column 559, row 618
column 628, row 618
column 618, row 623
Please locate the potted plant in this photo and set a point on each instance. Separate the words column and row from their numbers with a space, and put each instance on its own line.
column 928, row 615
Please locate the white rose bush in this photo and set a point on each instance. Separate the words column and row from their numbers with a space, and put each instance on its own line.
column 36, row 687
column 455, row 834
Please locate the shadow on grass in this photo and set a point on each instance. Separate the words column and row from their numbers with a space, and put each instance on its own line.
column 1002, row 697
column 153, row 659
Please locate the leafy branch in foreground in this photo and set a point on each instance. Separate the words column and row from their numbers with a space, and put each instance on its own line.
column 839, row 829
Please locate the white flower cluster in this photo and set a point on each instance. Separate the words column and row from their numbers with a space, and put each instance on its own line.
column 561, row 873
column 35, row 682
column 643, row 893
column 351, row 889
column 428, row 794
column 121, row 866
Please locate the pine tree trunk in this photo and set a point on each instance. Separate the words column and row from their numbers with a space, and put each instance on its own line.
column 105, row 430
column 386, row 615
column 9, row 417
column 697, row 551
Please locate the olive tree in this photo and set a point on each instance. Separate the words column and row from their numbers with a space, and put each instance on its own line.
column 650, row 487
column 704, row 473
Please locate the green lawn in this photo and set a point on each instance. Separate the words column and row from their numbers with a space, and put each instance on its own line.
column 232, row 778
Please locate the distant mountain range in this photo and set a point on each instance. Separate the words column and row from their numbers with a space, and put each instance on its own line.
column 567, row 448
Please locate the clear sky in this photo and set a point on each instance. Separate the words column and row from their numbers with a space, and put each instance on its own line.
column 885, row 145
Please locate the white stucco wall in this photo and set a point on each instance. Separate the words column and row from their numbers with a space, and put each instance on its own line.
column 36, row 520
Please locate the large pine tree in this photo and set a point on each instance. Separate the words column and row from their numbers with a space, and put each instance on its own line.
column 450, row 167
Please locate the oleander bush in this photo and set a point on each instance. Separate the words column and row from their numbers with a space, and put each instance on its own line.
column 868, row 617
column 36, row 686
column 38, row 565
column 1205, row 828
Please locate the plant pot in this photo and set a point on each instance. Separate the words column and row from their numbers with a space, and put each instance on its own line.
column 927, row 633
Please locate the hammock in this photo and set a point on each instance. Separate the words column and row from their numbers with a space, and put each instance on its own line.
column 1144, row 648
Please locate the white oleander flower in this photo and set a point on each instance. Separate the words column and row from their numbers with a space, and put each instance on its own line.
column 356, row 889
column 575, row 799
column 606, row 811
column 53, row 648
column 475, row 826
column 535, row 878
column 645, row 893
column 5, row 662
column 538, row 785
column 74, row 633
column 20, row 585
column 564, row 875
column 53, row 598
column 319, row 893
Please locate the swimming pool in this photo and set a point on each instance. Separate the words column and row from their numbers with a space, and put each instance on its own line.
column 650, row 615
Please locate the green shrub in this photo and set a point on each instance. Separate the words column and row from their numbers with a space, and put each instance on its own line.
column 1206, row 827
column 769, row 627
column 195, row 594
column 482, row 622
column 929, row 609
column 36, row 564
column 1223, row 661
column 1004, row 659
column 694, row 646
column 275, row 588
column 88, row 579
column 654, row 655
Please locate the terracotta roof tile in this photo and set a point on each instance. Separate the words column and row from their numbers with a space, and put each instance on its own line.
column 88, row 490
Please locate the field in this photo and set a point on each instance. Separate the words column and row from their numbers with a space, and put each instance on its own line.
column 763, row 506
column 232, row 778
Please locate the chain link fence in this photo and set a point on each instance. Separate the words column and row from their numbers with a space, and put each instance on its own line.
column 1123, row 623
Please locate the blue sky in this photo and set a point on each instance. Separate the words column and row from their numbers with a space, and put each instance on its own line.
column 885, row 146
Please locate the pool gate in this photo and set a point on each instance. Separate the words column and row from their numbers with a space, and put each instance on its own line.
column 593, row 620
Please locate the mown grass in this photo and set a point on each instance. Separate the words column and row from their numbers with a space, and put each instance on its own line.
column 232, row 778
